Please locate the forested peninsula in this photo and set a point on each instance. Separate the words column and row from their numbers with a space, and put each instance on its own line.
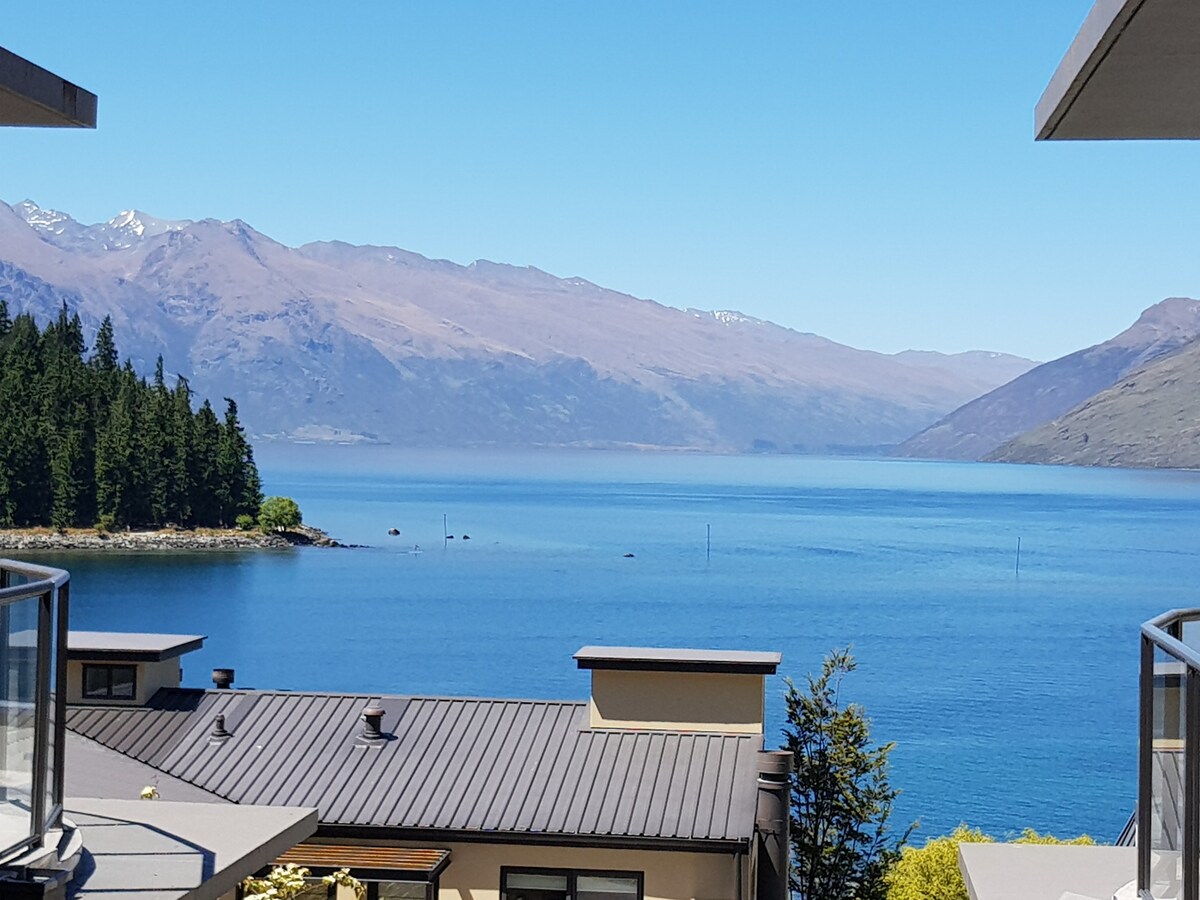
column 85, row 442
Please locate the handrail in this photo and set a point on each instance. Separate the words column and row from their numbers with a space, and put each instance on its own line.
column 59, row 577
column 1154, row 636
column 1172, row 645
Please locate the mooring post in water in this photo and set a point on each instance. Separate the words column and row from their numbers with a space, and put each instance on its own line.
column 1018, row 555
column 707, row 543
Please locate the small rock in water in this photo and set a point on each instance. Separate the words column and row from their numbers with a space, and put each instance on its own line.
column 629, row 556
column 393, row 531
column 466, row 537
column 449, row 537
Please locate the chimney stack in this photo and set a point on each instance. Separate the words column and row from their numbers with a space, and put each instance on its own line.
column 223, row 678
column 771, row 821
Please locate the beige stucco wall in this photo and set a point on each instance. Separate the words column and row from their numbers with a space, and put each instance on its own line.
column 677, row 701
column 474, row 870
column 150, row 677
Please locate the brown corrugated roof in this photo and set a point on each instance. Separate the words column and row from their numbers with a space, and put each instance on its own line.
column 465, row 765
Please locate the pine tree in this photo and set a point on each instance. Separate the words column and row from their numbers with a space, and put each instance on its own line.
column 114, row 460
column 206, row 440
column 178, row 464
column 85, row 442
column 841, row 798
column 231, row 476
column 104, row 351
column 25, row 465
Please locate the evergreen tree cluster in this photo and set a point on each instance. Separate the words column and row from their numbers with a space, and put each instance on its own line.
column 88, row 442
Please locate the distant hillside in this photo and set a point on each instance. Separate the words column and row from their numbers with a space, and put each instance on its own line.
column 1050, row 390
column 331, row 341
column 1150, row 419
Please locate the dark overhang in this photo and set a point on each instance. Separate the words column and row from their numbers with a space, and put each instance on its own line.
column 660, row 659
column 118, row 646
column 1132, row 72
column 31, row 96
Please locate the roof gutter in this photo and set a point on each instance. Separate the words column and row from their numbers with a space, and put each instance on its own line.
column 540, row 838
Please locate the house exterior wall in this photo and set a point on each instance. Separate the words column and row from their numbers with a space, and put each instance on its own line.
column 677, row 701
column 474, row 870
column 150, row 677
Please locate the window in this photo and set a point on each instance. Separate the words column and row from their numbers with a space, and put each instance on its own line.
column 314, row 889
column 569, row 884
column 400, row 890
column 109, row 682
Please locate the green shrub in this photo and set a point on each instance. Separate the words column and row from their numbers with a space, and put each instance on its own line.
column 244, row 522
column 1029, row 836
column 106, row 523
column 279, row 514
column 931, row 872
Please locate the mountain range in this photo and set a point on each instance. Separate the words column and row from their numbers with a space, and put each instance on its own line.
column 331, row 341
column 1129, row 401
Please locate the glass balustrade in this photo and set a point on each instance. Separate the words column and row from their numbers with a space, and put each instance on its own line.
column 33, row 621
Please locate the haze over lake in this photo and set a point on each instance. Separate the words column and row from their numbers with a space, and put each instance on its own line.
column 1012, row 698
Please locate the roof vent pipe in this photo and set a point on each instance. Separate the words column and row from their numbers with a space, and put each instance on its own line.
column 372, row 718
column 771, row 824
column 218, row 732
column 223, row 678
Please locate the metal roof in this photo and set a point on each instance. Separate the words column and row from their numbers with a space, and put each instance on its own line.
column 479, row 766
column 1130, row 73
column 131, row 646
column 29, row 95
column 661, row 659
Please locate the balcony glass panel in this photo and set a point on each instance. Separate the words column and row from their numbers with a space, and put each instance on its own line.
column 1167, row 778
column 18, row 692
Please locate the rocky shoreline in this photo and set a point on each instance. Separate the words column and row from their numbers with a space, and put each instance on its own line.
column 166, row 539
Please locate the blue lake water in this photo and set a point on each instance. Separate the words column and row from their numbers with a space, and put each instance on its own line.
column 1011, row 698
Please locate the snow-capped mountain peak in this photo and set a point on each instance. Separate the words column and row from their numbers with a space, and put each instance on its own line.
column 733, row 317
column 48, row 220
column 132, row 224
column 118, row 233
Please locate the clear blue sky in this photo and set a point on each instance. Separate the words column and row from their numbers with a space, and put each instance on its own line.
column 865, row 171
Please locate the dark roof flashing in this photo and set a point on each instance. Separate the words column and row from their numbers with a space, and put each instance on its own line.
column 661, row 659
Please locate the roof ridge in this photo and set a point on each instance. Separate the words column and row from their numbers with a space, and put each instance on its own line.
column 375, row 695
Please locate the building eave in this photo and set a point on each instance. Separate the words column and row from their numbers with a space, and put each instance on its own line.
column 540, row 839
column 1130, row 74
column 32, row 96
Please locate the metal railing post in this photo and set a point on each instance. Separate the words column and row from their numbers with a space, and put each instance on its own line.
column 1191, row 787
column 62, row 621
column 1145, row 808
column 42, row 701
